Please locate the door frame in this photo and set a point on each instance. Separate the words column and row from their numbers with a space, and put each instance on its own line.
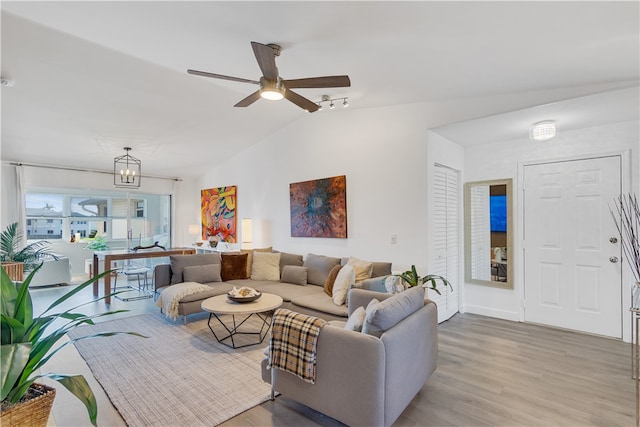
column 625, row 177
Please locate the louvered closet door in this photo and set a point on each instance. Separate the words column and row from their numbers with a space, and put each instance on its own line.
column 446, row 237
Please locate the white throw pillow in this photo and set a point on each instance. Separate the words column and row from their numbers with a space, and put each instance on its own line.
column 356, row 320
column 344, row 280
column 394, row 284
column 266, row 266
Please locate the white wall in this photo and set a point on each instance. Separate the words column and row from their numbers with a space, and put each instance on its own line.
column 382, row 152
column 504, row 160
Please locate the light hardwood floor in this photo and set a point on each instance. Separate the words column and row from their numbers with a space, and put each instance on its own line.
column 490, row 372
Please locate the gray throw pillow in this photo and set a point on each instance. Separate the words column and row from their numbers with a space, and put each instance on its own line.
column 294, row 274
column 319, row 268
column 179, row 262
column 289, row 259
column 381, row 269
column 391, row 311
column 202, row 273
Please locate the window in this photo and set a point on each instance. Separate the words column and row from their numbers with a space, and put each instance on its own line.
column 59, row 215
column 44, row 216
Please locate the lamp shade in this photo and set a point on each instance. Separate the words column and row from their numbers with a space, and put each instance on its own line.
column 194, row 229
column 247, row 230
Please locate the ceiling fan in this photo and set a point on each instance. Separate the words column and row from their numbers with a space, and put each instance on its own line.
column 272, row 86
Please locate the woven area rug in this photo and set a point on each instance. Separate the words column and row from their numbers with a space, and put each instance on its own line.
column 180, row 375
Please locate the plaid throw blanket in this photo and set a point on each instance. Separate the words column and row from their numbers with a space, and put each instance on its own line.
column 292, row 347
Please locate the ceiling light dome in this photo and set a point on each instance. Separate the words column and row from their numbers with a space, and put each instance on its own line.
column 542, row 131
column 273, row 91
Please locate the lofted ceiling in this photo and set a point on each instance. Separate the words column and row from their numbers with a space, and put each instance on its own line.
column 93, row 77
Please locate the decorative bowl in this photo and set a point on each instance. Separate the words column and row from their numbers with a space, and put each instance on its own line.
column 243, row 299
column 198, row 243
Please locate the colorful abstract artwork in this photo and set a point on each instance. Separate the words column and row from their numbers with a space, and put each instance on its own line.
column 218, row 208
column 319, row 208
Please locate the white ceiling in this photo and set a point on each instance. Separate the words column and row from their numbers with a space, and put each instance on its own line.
column 93, row 77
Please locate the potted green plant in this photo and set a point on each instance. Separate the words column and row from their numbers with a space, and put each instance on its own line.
column 28, row 342
column 29, row 255
column 412, row 278
column 98, row 243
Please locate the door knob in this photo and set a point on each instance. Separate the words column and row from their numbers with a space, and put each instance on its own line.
column 613, row 259
column 613, row 240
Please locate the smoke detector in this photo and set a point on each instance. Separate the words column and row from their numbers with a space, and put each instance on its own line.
column 6, row 82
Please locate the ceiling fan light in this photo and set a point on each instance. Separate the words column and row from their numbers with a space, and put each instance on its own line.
column 273, row 91
column 271, row 94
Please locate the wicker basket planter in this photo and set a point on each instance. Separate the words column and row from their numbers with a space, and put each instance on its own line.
column 14, row 270
column 33, row 412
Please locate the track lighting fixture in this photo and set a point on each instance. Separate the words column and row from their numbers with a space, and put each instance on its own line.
column 332, row 105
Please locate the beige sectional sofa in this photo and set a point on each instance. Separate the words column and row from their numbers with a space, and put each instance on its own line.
column 299, row 281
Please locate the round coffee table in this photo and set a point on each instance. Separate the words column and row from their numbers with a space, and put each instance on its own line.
column 262, row 308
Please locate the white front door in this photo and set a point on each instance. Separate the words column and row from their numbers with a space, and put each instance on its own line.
column 569, row 279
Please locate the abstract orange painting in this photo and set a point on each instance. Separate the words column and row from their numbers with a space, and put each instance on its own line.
column 319, row 208
column 218, row 208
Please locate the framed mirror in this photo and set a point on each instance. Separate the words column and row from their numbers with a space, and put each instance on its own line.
column 488, row 215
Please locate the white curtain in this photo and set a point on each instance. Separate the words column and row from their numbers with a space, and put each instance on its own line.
column 176, row 188
column 21, row 207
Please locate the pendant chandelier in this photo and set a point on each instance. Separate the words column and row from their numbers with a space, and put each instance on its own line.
column 127, row 171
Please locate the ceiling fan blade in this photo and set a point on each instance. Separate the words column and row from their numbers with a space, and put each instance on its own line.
column 220, row 76
column 249, row 99
column 266, row 58
column 311, row 82
column 301, row 101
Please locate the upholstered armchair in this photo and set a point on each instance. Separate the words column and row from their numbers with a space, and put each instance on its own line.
column 363, row 379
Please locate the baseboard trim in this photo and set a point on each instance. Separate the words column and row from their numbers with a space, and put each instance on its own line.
column 491, row 312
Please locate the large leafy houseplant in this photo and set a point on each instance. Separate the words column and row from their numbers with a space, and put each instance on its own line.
column 627, row 220
column 29, row 255
column 412, row 278
column 28, row 341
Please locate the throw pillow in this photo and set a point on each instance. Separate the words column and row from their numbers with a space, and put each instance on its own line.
column 266, row 266
column 234, row 266
column 202, row 273
column 381, row 269
column 362, row 268
column 331, row 278
column 294, row 274
column 391, row 311
column 368, row 310
column 356, row 320
column 344, row 280
column 179, row 262
column 393, row 284
column 319, row 267
column 289, row 259
column 249, row 253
